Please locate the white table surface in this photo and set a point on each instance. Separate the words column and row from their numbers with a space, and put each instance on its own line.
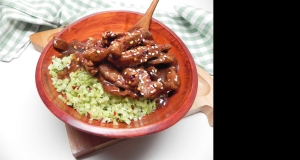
column 29, row 131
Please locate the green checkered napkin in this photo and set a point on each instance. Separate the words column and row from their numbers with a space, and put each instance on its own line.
column 20, row 19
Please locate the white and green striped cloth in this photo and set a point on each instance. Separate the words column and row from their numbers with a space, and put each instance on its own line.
column 19, row 19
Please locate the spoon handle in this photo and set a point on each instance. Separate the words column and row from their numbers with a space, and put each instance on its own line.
column 144, row 22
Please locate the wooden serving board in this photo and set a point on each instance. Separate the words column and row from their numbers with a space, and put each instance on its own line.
column 82, row 143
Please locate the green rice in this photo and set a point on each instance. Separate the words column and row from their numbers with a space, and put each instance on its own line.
column 85, row 94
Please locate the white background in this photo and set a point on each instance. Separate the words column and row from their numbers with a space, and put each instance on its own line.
column 29, row 131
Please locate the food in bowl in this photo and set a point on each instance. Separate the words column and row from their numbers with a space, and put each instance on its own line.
column 120, row 77
column 93, row 25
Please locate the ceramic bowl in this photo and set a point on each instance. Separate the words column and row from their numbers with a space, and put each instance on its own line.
column 118, row 21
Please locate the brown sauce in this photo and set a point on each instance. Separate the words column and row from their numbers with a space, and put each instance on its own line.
column 126, row 64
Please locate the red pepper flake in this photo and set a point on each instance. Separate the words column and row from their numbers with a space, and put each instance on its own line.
column 115, row 113
column 100, row 119
column 75, row 87
column 88, row 115
column 65, row 96
column 132, row 107
column 132, row 77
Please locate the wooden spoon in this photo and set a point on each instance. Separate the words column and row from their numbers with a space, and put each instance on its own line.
column 144, row 22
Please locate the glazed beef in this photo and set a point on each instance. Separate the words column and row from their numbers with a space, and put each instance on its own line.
column 126, row 64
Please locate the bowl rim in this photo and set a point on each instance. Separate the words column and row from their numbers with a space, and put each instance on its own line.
column 116, row 132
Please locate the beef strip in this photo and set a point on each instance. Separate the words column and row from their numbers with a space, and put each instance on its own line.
column 115, row 90
column 60, row 44
column 74, row 46
column 89, row 66
column 109, row 36
column 167, row 76
column 95, row 55
column 138, row 55
column 167, row 58
column 131, row 76
column 112, row 75
column 135, row 38
column 135, row 56
column 148, row 88
column 140, row 79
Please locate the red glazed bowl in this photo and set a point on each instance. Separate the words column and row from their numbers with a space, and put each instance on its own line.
column 118, row 21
